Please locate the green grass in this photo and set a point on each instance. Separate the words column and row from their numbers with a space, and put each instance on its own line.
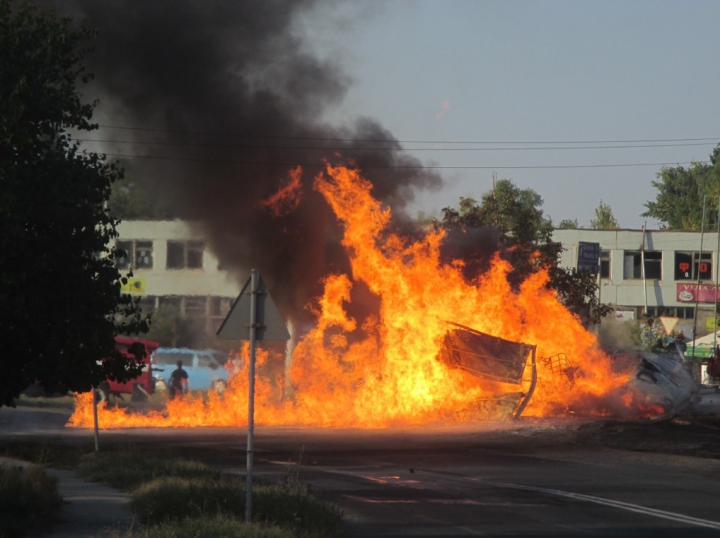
column 28, row 499
column 289, row 507
column 179, row 498
column 128, row 469
column 52, row 402
column 170, row 492
column 217, row 526
column 42, row 453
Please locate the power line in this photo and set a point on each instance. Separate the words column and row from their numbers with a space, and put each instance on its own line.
column 379, row 140
column 400, row 167
column 305, row 148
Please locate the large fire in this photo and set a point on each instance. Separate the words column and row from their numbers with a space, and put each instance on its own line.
column 384, row 371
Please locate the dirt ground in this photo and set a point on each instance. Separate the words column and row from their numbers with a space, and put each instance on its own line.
column 696, row 435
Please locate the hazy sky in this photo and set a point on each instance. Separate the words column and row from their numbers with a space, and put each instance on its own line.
column 530, row 76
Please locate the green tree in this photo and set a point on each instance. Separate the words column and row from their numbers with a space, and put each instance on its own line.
column 172, row 328
column 517, row 216
column 60, row 297
column 680, row 193
column 568, row 224
column 526, row 235
column 604, row 218
column 133, row 200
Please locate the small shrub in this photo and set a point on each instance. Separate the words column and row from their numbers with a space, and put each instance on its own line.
column 294, row 507
column 28, row 499
column 290, row 507
column 55, row 456
column 218, row 526
column 127, row 470
column 171, row 498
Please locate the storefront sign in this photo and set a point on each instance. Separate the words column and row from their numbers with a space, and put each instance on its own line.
column 135, row 286
column 712, row 324
column 690, row 293
column 624, row 315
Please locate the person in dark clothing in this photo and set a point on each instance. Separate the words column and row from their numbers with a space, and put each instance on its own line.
column 680, row 342
column 178, row 381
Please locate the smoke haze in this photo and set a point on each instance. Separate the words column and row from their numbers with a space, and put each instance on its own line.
column 241, row 71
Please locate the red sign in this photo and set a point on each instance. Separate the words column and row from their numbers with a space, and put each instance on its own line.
column 690, row 293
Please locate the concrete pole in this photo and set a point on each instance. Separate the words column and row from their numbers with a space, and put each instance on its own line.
column 95, row 419
column 289, row 349
column 254, row 281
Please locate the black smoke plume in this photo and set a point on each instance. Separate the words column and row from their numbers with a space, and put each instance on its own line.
column 230, row 97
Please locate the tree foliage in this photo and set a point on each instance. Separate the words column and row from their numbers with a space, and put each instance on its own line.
column 680, row 194
column 604, row 218
column 516, row 215
column 568, row 224
column 60, row 299
column 525, row 237
column 133, row 200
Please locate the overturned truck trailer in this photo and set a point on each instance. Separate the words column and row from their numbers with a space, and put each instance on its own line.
column 495, row 359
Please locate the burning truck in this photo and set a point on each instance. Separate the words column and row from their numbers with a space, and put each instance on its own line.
column 662, row 384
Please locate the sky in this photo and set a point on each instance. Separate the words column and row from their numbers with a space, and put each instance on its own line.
column 547, row 90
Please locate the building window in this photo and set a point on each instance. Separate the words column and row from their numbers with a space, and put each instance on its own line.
column 185, row 254
column 134, row 255
column 195, row 305
column 693, row 265
column 170, row 301
column 148, row 304
column 632, row 267
column 220, row 306
column 682, row 312
column 604, row 264
column 686, row 312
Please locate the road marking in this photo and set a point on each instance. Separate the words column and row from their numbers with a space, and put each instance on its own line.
column 449, row 502
column 673, row 516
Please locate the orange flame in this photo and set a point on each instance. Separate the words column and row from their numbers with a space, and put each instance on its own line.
column 287, row 198
column 384, row 371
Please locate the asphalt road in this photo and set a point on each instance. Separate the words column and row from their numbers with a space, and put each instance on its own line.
column 535, row 478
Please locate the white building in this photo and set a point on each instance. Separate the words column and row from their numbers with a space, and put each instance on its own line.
column 679, row 271
column 171, row 265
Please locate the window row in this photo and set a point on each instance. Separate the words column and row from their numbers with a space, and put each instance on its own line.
column 180, row 254
column 687, row 265
column 626, row 313
column 188, row 305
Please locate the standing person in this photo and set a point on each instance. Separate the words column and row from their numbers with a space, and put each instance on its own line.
column 680, row 342
column 178, row 381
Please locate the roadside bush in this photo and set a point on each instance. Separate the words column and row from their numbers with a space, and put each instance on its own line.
column 172, row 498
column 28, row 499
column 42, row 453
column 129, row 469
column 290, row 507
column 216, row 526
column 294, row 507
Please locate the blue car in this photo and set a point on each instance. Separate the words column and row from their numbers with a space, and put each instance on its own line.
column 204, row 367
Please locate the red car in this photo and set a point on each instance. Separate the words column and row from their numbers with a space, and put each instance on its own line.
column 140, row 387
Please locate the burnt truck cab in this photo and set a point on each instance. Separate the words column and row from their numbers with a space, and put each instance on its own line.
column 140, row 387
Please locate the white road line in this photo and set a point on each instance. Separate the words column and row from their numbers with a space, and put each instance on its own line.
column 673, row 516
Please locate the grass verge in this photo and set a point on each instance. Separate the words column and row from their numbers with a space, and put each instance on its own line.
column 43, row 453
column 217, row 526
column 173, row 496
column 128, row 469
column 289, row 507
column 52, row 402
column 28, row 499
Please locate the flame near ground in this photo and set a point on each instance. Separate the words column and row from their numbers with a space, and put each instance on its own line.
column 385, row 373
